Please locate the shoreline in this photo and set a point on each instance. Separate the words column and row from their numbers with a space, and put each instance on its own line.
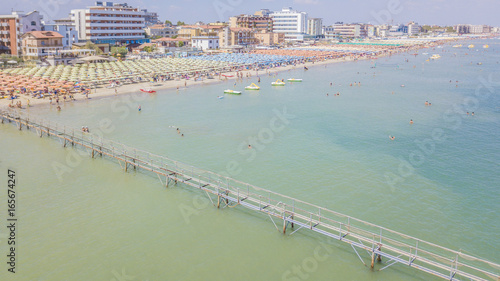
column 105, row 92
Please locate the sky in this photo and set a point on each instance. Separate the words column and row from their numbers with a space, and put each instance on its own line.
column 439, row 12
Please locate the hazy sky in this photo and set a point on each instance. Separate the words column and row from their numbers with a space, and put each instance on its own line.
column 441, row 12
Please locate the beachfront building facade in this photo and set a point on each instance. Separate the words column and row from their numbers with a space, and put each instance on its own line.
column 237, row 36
column 160, row 30
column 189, row 31
column 314, row 27
column 10, row 35
column 205, row 42
column 108, row 22
column 413, row 29
column 258, row 23
column 269, row 38
column 345, row 31
column 39, row 44
column 291, row 23
column 67, row 29
column 12, row 28
column 171, row 42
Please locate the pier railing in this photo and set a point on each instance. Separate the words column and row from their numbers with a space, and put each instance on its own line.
column 291, row 213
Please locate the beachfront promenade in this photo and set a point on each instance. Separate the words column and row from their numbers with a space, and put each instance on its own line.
column 375, row 246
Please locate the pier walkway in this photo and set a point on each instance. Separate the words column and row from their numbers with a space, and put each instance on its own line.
column 286, row 213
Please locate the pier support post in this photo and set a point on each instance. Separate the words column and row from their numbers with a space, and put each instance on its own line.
column 373, row 259
column 284, row 225
column 379, row 257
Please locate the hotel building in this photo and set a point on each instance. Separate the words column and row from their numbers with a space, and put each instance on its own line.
column 110, row 23
column 292, row 23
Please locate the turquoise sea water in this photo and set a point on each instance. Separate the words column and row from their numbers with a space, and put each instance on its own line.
column 94, row 222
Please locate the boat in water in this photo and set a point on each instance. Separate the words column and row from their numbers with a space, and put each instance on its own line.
column 486, row 46
column 471, row 46
column 435, row 57
column 278, row 83
column 252, row 87
column 232, row 92
column 148, row 91
column 294, row 80
column 457, row 46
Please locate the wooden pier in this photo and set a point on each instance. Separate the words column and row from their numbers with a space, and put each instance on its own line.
column 286, row 213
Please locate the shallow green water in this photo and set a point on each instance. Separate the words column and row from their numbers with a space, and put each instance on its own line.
column 95, row 222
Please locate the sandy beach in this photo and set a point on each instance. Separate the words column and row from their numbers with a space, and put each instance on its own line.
column 250, row 75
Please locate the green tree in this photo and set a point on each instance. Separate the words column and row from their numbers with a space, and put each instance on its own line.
column 426, row 28
column 92, row 46
column 175, row 36
column 180, row 44
column 149, row 49
column 119, row 50
column 180, row 23
column 167, row 22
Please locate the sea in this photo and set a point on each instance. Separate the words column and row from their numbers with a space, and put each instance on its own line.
column 322, row 141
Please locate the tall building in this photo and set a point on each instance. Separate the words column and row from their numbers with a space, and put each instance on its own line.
column 290, row 22
column 110, row 23
column 462, row 28
column 413, row 28
column 315, row 26
column 150, row 18
column 10, row 35
column 259, row 23
column 12, row 28
column 67, row 29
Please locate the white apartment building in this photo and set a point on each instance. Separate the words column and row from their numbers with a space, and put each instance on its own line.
column 67, row 29
column 290, row 22
column 110, row 23
column 475, row 29
column 413, row 28
column 315, row 26
column 205, row 42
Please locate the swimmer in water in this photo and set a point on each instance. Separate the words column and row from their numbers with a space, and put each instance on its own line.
column 139, row 108
column 426, row 103
column 182, row 135
column 249, row 147
column 411, row 121
column 472, row 113
column 392, row 137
